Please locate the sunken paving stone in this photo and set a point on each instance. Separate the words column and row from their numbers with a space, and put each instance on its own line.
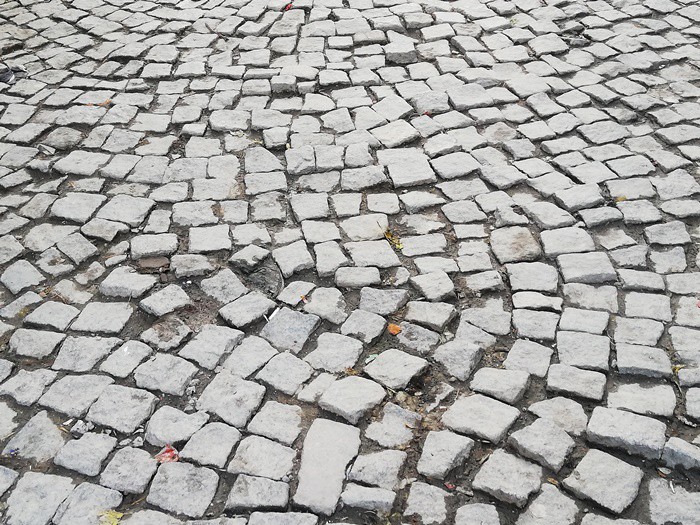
column 428, row 226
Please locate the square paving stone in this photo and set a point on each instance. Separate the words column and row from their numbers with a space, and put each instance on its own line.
column 126, row 282
column 73, row 395
column 249, row 356
column 251, row 492
column 395, row 429
column 210, row 344
column 395, row 369
column 122, row 408
column 351, row 397
column 632, row 433
column 571, row 380
column 259, row 456
column 20, row 275
column 289, row 330
column 477, row 514
column 648, row 361
column 588, row 268
column 563, row 412
column 554, row 504
column 165, row 373
column 53, row 314
column 458, row 357
column 38, row 440
column 535, row 324
column 211, row 445
column 127, row 209
column 182, row 488
column 80, row 354
column 26, row 387
column 125, row 359
column 379, row 469
column 285, row 372
column 650, row 400
column 34, row 343
column 506, row 385
column 637, row 331
column 282, row 518
column 7, row 479
column 86, row 504
column 480, row 416
column 86, row 455
column 365, row 326
column 443, row 451
column 170, row 426
column 582, row 350
column 428, row 502
column 277, row 421
column 165, row 301
column 246, row 309
column 382, row 302
column 166, row 333
column 508, row 478
column 514, row 244
column 334, row 352
column 530, row 357
column 36, row 498
column 231, row 398
column 578, row 320
column 225, row 286
column 109, row 318
column 293, row 258
column 543, row 442
column 610, row 482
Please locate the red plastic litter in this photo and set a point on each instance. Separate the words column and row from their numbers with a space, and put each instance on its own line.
column 167, row 455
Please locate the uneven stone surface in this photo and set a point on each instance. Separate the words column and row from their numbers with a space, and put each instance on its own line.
column 352, row 260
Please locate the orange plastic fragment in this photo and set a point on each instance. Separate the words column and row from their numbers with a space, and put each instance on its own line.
column 394, row 329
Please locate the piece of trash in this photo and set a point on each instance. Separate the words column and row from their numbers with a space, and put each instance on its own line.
column 670, row 485
column 370, row 358
column 288, row 6
column 393, row 239
column 7, row 76
column 13, row 452
column 621, row 198
column 304, row 299
column 449, row 486
column 393, row 329
column 168, row 455
column 552, row 481
column 110, row 517
column 677, row 368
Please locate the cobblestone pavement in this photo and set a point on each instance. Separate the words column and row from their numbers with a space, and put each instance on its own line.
column 362, row 262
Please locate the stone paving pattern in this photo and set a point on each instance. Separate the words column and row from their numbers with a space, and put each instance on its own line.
column 363, row 262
